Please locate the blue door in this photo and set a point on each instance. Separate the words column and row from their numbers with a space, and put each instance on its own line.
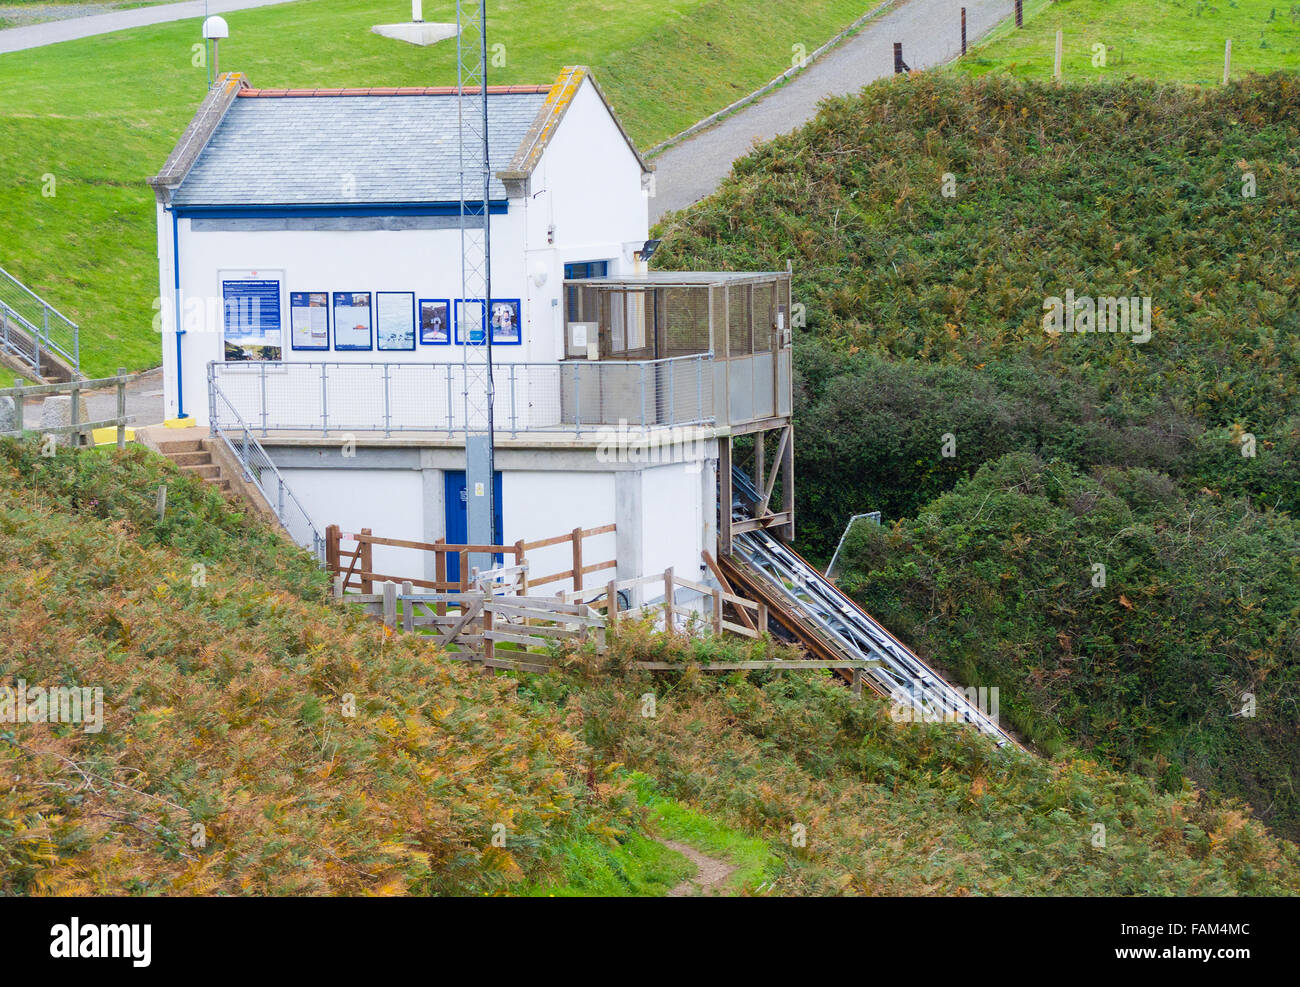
column 458, row 516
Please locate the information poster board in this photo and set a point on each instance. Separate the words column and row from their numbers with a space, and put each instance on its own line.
column 506, row 330
column 251, row 318
column 471, row 317
column 352, row 320
column 435, row 321
column 309, row 320
column 395, row 320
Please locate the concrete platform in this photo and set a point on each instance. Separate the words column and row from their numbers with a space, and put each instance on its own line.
column 422, row 34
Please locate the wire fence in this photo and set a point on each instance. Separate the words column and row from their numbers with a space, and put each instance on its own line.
column 568, row 397
column 30, row 326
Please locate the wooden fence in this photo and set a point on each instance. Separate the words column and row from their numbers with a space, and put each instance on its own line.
column 496, row 630
column 717, row 609
column 356, row 563
column 20, row 391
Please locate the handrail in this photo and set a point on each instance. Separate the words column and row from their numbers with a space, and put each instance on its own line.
column 255, row 462
column 38, row 298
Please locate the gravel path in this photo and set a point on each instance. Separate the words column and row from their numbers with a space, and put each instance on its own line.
column 52, row 32
column 931, row 35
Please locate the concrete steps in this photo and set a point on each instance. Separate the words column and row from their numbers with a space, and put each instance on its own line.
column 193, row 458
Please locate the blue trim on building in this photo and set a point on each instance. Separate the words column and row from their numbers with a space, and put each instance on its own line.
column 176, row 313
column 496, row 207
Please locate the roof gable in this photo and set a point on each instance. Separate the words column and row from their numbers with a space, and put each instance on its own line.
column 359, row 147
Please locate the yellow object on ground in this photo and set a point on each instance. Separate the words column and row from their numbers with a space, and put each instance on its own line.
column 179, row 423
column 108, row 436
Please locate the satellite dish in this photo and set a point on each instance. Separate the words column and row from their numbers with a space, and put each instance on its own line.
column 216, row 28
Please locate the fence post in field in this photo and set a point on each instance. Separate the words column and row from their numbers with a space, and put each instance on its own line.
column 762, row 619
column 464, row 571
column 367, row 561
column 121, row 408
column 717, row 611
column 338, row 587
column 1056, row 65
column 1227, row 60
column 390, row 605
column 1020, row 13
column 18, row 403
column 857, row 681
column 489, row 649
column 408, row 608
column 963, row 30
column 898, row 58
column 577, row 558
column 669, row 591
column 440, row 574
column 611, row 604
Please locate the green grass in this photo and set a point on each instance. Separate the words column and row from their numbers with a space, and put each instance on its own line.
column 101, row 114
column 753, row 859
column 1169, row 40
column 636, row 867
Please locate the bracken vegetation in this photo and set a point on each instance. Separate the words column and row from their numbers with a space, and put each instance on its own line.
column 224, row 709
column 925, row 318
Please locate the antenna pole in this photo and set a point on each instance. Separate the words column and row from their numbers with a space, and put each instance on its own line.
column 473, row 320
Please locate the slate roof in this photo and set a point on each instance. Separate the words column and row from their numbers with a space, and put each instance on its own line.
column 300, row 147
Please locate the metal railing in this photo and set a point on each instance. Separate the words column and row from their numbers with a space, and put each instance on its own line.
column 574, row 396
column 262, row 473
column 29, row 325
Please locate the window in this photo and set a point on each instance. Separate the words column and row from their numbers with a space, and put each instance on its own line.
column 583, row 269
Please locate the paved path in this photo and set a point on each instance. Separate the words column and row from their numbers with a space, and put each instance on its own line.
column 144, row 400
column 930, row 31
column 52, row 32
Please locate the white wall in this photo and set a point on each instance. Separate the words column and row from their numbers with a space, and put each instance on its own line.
column 584, row 203
column 540, row 504
column 389, row 502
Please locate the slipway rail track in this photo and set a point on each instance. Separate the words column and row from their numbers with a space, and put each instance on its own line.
column 832, row 626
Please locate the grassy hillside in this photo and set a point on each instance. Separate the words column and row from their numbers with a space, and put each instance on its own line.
column 224, row 691
column 1176, row 461
column 1169, row 40
column 91, row 247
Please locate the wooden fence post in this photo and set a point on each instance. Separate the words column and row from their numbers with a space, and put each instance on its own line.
column 464, row 571
column 489, row 647
column 669, row 592
column 332, row 549
column 1020, row 13
column 18, row 404
column 717, row 611
column 390, row 604
column 577, row 558
column 338, row 587
column 963, row 30
column 857, row 681
column 1227, row 60
column 520, row 558
column 440, row 574
column 611, row 604
column 408, row 608
column 898, row 58
column 762, row 618
column 121, row 408
column 367, row 560
column 1056, row 67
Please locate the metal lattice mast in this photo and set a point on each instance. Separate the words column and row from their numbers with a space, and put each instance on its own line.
column 475, row 273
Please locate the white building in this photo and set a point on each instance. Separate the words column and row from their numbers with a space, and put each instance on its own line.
column 309, row 264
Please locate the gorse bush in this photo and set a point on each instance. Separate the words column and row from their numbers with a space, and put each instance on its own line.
column 1150, row 659
column 1175, row 462
column 1127, row 189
